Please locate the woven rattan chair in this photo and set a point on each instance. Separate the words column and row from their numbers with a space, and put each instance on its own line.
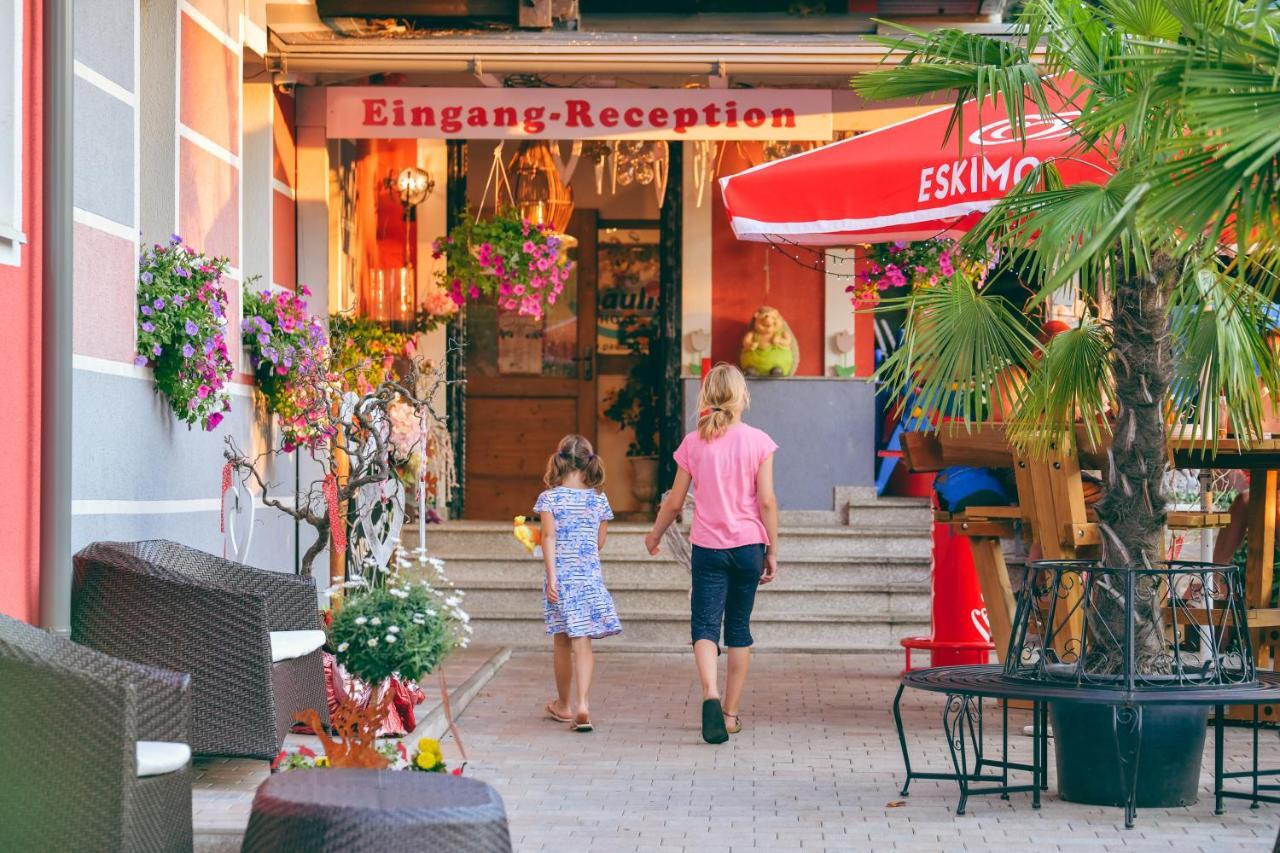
column 80, row 728
column 168, row 605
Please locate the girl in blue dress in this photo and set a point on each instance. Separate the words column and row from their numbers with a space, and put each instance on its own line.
column 575, row 518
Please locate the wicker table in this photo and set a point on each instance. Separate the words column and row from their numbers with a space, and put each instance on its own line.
column 381, row 811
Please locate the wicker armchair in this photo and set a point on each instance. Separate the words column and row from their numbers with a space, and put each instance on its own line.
column 167, row 605
column 72, row 720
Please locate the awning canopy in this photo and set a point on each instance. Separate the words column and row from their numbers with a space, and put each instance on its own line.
column 903, row 182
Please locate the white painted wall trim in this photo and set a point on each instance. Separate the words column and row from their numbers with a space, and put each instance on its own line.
column 159, row 507
column 282, row 188
column 106, row 226
column 108, row 367
column 230, row 41
column 208, row 145
column 107, row 85
column 11, row 233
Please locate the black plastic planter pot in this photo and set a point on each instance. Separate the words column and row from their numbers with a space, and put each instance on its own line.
column 1169, row 754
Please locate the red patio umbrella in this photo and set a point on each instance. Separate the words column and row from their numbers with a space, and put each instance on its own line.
column 903, row 182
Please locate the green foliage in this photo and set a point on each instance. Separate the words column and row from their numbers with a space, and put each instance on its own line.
column 1182, row 97
column 401, row 628
column 638, row 404
column 182, row 318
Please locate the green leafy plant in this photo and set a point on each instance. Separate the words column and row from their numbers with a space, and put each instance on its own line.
column 637, row 405
column 365, row 350
column 1181, row 97
column 182, row 319
column 522, row 265
column 289, row 351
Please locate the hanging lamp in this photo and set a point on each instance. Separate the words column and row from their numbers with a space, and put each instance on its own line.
column 539, row 194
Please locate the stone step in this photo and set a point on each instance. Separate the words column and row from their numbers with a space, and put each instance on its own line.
column 774, row 600
column 876, row 572
column 847, row 632
column 487, row 539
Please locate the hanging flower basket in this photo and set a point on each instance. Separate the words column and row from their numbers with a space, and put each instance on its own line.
column 898, row 264
column 524, row 266
column 289, row 351
column 182, row 319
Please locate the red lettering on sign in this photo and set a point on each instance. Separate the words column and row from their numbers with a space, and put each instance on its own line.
column 685, row 117
column 784, row 117
column 504, row 117
column 373, row 111
column 579, row 113
column 658, row 117
column 754, row 117
column 449, row 122
column 609, row 117
column 634, row 117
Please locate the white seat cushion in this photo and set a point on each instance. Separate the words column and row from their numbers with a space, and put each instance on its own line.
column 157, row 757
column 287, row 645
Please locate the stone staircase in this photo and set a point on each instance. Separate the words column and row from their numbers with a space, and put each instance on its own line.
column 855, row 587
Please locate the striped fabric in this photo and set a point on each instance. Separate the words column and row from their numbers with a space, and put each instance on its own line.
column 585, row 608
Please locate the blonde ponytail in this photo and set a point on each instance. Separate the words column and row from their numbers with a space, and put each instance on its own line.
column 721, row 400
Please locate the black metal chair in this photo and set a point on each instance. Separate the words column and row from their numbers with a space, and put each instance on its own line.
column 164, row 604
column 81, row 728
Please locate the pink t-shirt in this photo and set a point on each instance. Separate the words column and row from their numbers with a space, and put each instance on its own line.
column 725, row 514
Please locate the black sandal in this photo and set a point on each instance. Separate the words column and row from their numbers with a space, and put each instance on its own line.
column 713, row 728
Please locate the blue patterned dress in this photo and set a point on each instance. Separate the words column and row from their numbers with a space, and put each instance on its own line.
column 585, row 608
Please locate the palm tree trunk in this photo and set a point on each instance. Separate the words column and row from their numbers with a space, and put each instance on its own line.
column 1131, row 513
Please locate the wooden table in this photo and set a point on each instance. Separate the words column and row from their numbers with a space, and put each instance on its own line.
column 1051, row 507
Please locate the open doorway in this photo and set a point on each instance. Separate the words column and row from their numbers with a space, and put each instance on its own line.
column 593, row 365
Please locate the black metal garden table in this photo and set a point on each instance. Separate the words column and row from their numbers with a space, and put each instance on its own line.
column 965, row 687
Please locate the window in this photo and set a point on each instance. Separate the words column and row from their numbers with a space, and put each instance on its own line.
column 11, row 131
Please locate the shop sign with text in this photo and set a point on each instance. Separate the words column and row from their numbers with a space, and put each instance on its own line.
column 386, row 112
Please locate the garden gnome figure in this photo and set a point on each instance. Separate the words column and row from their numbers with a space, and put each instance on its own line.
column 769, row 348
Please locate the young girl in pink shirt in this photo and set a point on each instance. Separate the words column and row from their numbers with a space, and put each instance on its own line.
column 734, row 537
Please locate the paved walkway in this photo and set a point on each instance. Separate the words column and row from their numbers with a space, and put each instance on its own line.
column 817, row 767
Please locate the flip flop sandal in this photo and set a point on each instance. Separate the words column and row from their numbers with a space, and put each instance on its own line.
column 554, row 716
column 582, row 726
column 713, row 728
column 734, row 727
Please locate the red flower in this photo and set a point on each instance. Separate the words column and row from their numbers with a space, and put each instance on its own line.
column 278, row 759
column 457, row 771
column 305, row 752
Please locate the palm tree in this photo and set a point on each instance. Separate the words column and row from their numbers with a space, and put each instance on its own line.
column 1180, row 246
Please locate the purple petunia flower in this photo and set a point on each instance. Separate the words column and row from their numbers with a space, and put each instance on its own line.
column 146, row 278
column 159, row 303
column 182, row 271
column 188, row 350
column 146, row 310
column 179, row 300
column 157, row 349
column 148, row 327
column 140, row 361
column 174, row 238
column 192, row 328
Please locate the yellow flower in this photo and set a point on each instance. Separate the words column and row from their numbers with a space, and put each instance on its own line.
column 429, row 744
column 427, row 760
column 322, row 761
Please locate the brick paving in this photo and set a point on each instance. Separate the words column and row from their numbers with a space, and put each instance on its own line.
column 817, row 767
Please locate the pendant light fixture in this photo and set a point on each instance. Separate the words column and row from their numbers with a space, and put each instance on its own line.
column 539, row 193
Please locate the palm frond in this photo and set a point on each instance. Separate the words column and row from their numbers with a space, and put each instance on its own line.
column 962, row 349
column 1220, row 328
column 1069, row 386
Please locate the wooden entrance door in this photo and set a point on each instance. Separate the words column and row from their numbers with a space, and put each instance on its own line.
column 529, row 383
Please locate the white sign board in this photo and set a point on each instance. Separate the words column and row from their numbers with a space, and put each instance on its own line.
column 411, row 112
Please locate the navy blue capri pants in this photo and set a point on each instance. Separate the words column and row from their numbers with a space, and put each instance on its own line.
column 724, row 591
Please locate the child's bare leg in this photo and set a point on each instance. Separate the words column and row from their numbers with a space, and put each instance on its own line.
column 583, row 664
column 704, row 655
column 561, row 653
column 739, row 660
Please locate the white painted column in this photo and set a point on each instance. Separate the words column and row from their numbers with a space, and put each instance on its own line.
column 256, row 190
column 317, row 250
column 433, row 222
column 695, row 252
column 838, row 311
